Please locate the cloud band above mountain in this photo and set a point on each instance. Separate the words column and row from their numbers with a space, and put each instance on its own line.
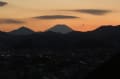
column 3, row 3
column 90, row 11
column 94, row 11
column 10, row 21
column 56, row 17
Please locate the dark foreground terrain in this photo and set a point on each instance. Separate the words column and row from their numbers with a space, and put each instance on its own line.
column 52, row 55
column 67, row 64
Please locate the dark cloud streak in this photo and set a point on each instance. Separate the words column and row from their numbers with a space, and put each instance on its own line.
column 10, row 21
column 94, row 11
column 97, row 12
column 56, row 17
column 3, row 3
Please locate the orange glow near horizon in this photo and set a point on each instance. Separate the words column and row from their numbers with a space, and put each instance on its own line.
column 40, row 26
column 104, row 13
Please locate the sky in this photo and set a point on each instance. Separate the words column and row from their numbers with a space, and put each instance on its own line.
column 39, row 15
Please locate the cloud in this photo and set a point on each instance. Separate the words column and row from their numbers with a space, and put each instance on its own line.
column 10, row 21
column 3, row 3
column 93, row 11
column 56, row 17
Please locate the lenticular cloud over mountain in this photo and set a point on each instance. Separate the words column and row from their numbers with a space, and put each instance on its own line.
column 56, row 17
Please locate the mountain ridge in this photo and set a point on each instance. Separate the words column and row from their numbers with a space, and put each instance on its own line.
column 64, row 29
column 22, row 31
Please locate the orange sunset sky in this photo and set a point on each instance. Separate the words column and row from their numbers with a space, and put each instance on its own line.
column 39, row 15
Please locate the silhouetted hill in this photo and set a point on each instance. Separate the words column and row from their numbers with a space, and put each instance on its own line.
column 22, row 31
column 61, row 29
column 107, row 32
column 105, row 36
column 108, row 29
column 56, row 55
column 3, row 33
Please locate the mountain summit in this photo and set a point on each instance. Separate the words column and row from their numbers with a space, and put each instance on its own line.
column 61, row 29
column 22, row 31
column 109, row 28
